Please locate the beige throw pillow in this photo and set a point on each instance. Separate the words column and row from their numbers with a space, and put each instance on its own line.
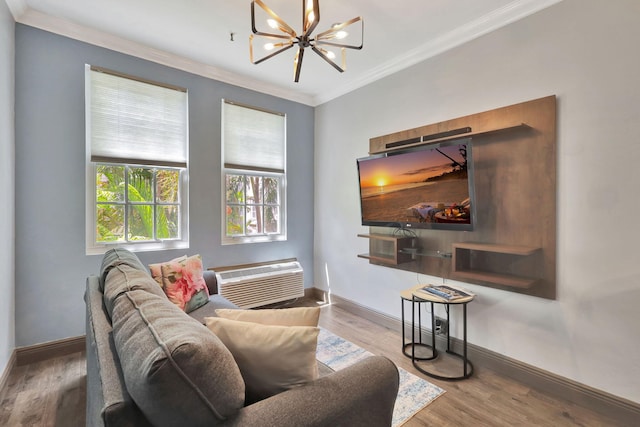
column 271, row 358
column 295, row 316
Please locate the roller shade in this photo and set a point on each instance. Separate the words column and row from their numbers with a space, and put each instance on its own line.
column 253, row 139
column 136, row 122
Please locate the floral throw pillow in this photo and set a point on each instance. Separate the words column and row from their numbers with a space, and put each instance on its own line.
column 156, row 269
column 184, row 283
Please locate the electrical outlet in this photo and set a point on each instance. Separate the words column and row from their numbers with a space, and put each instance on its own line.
column 441, row 326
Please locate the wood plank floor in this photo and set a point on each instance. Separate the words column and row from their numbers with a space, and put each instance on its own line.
column 52, row 393
column 44, row 394
column 485, row 399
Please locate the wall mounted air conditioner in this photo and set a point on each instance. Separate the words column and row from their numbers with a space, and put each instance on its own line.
column 266, row 284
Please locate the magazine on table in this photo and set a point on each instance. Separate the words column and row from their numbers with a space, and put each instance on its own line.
column 447, row 292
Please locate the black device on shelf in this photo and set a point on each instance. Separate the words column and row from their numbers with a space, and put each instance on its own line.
column 429, row 186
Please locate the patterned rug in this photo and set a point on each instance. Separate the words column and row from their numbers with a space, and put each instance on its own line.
column 414, row 393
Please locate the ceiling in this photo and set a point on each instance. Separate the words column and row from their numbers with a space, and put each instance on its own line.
column 195, row 36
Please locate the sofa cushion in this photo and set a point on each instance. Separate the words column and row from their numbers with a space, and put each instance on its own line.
column 216, row 302
column 115, row 257
column 123, row 278
column 295, row 316
column 272, row 359
column 184, row 284
column 176, row 371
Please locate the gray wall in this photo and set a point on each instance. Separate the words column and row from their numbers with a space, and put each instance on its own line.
column 51, row 265
column 586, row 53
column 7, row 184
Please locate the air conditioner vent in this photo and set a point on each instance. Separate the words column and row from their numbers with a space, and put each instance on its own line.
column 257, row 286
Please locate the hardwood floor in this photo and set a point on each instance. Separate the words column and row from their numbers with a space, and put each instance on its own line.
column 485, row 399
column 44, row 394
column 52, row 393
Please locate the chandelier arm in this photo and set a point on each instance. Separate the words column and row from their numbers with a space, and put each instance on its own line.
column 310, row 29
column 298, row 65
column 346, row 46
column 316, row 20
column 337, row 28
column 323, row 56
column 282, row 26
column 275, row 36
column 271, row 55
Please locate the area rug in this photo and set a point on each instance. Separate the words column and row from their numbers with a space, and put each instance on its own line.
column 414, row 393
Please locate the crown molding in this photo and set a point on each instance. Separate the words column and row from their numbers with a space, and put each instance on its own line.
column 498, row 18
column 17, row 8
column 96, row 37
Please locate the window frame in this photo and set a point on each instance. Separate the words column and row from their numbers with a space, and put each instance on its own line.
column 92, row 246
column 254, row 238
column 236, row 169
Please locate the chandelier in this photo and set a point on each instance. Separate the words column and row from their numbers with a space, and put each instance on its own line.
column 279, row 37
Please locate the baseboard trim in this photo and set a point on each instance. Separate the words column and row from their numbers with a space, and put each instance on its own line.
column 49, row 350
column 615, row 407
column 7, row 371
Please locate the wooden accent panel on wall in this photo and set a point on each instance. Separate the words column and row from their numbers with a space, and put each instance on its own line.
column 513, row 245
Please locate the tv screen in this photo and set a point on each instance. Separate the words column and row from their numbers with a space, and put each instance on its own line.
column 430, row 186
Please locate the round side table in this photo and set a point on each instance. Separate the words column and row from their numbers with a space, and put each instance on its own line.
column 418, row 297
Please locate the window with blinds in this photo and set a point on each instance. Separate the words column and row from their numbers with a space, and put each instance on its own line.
column 253, row 174
column 137, row 153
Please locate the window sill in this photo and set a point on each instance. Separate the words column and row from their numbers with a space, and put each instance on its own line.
column 253, row 239
column 138, row 247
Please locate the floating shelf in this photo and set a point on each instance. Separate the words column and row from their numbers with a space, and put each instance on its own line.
column 503, row 249
column 387, row 248
column 471, row 262
column 495, row 278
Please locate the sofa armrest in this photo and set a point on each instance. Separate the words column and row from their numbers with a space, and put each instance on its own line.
column 108, row 402
column 363, row 394
column 212, row 282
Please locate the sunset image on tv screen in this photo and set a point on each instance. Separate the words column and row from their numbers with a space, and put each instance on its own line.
column 427, row 186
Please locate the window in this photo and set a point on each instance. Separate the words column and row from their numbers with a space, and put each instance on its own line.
column 252, row 204
column 253, row 174
column 137, row 193
column 136, row 204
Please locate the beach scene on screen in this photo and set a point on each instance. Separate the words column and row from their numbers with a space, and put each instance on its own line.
column 429, row 185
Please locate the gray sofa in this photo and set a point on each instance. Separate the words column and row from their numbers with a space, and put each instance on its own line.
column 150, row 363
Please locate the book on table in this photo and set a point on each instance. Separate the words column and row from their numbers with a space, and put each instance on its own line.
column 446, row 293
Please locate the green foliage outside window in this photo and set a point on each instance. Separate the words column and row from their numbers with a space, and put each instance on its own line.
column 144, row 206
column 252, row 205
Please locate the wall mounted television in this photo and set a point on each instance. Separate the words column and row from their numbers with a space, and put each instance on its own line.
column 430, row 186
